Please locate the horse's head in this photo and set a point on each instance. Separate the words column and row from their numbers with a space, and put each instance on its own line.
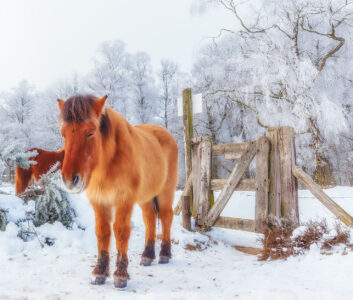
column 83, row 128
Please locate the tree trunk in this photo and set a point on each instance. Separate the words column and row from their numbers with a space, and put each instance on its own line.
column 323, row 173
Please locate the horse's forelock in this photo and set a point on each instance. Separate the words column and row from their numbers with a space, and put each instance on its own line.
column 77, row 108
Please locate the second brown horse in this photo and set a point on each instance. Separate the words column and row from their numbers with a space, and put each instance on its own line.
column 44, row 161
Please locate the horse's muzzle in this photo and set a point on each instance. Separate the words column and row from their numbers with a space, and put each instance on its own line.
column 75, row 185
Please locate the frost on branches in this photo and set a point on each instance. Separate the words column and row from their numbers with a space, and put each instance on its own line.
column 12, row 153
column 3, row 220
column 284, row 64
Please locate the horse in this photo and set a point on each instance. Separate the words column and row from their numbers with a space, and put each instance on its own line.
column 119, row 165
column 44, row 161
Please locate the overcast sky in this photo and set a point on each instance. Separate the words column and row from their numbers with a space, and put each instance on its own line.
column 45, row 40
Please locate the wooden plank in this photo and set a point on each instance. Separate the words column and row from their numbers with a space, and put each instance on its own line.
column 315, row 189
column 196, row 182
column 248, row 250
column 231, row 151
column 232, row 182
column 289, row 194
column 186, row 212
column 205, row 148
column 186, row 192
column 235, row 223
column 275, row 173
column 262, row 189
column 245, row 184
column 188, row 132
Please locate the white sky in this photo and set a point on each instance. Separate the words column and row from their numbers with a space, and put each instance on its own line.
column 45, row 40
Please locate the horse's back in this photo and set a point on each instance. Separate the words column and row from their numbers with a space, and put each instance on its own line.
column 163, row 136
column 162, row 160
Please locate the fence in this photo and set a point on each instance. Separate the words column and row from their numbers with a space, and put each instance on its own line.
column 275, row 183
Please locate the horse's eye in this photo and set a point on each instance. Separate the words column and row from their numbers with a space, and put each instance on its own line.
column 90, row 134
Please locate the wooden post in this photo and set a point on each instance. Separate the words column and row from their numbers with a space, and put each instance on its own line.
column 188, row 129
column 262, row 183
column 186, row 212
column 275, row 169
column 283, row 195
column 188, row 135
column 201, row 174
column 186, row 192
column 338, row 211
column 196, row 169
column 289, row 185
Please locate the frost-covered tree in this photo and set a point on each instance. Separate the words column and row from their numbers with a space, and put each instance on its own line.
column 169, row 90
column 19, row 102
column 284, row 64
column 17, row 108
column 47, row 125
column 144, row 94
column 111, row 75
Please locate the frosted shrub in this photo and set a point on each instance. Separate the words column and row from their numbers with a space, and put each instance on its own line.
column 3, row 220
column 51, row 200
column 53, row 204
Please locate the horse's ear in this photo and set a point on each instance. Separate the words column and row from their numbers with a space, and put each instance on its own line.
column 99, row 104
column 61, row 104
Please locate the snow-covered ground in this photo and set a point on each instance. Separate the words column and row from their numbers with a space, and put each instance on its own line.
column 218, row 271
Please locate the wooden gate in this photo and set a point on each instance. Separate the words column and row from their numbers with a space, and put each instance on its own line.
column 275, row 183
column 275, row 180
column 244, row 153
column 199, row 183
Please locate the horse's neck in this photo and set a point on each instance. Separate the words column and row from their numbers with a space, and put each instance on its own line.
column 119, row 143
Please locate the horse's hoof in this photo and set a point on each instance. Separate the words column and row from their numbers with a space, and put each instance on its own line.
column 120, row 283
column 146, row 262
column 163, row 260
column 99, row 281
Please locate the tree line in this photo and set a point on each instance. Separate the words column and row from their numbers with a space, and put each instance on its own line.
column 285, row 63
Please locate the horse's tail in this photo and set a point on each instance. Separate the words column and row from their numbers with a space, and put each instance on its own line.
column 155, row 205
column 22, row 178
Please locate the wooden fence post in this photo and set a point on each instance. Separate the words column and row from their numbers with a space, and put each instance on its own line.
column 188, row 135
column 201, row 175
column 262, row 183
column 289, row 185
column 283, row 201
column 275, row 173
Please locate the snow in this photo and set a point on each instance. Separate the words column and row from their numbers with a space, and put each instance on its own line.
column 219, row 271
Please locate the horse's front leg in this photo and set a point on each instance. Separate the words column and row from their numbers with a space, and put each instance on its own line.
column 122, row 230
column 103, row 232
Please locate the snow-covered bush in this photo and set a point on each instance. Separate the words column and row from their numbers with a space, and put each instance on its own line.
column 3, row 220
column 282, row 239
column 51, row 200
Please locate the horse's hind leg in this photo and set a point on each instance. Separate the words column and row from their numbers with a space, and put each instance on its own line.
column 122, row 230
column 165, row 201
column 22, row 178
column 149, row 215
column 103, row 233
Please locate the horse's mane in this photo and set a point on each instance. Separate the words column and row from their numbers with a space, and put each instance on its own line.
column 78, row 108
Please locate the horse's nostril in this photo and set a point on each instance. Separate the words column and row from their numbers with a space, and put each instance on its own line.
column 75, row 179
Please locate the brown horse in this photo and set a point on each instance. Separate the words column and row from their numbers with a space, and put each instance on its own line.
column 118, row 165
column 45, row 160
